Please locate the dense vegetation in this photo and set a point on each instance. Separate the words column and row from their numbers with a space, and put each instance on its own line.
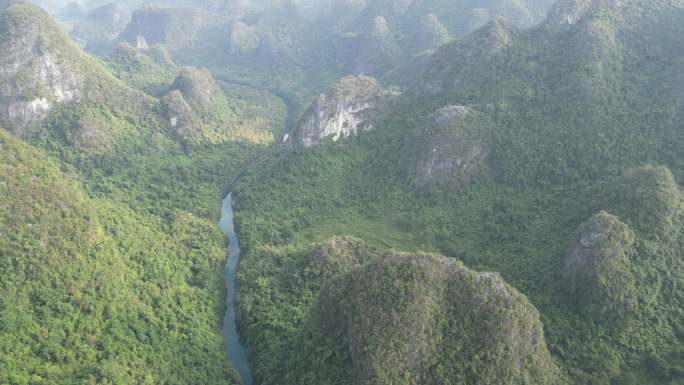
column 110, row 258
column 94, row 292
column 422, row 319
column 550, row 157
column 568, row 115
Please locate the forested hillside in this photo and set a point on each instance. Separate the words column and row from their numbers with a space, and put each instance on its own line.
column 482, row 192
column 94, row 292
column 111, row 263
column 526, row 152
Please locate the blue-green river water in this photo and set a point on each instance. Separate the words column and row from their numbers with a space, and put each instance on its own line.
column 235, row 351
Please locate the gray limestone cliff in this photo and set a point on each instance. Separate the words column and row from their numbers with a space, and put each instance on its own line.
column 340, row 112
column 451, row 148
column 35, row 73
column 45, row 75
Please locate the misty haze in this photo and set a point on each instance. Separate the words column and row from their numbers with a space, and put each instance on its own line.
column 342, row 192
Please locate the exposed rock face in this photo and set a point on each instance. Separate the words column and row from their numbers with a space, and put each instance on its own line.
column 183, row 122
column 451, row 148
column 423, row 319
column 35, row 74
column 569, row 12
column 597, row 268
column 141, row 43
column 340, row 112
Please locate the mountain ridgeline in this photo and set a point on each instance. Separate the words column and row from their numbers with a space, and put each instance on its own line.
column 425, row 191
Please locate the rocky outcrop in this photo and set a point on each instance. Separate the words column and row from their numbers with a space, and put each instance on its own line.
column 423, row 319
column 338, row 113
column 45, row 75
column 451, row 149
column 568, row 12
column 35, row 74
column 183, row 122
column 597, row 268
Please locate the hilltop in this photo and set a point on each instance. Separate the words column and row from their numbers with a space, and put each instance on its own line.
column 49, row 82
column 551, row 155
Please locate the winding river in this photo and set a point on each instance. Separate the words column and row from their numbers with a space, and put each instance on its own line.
column 236, row 352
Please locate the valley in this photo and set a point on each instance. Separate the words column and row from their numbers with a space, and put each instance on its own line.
column 342, row 192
